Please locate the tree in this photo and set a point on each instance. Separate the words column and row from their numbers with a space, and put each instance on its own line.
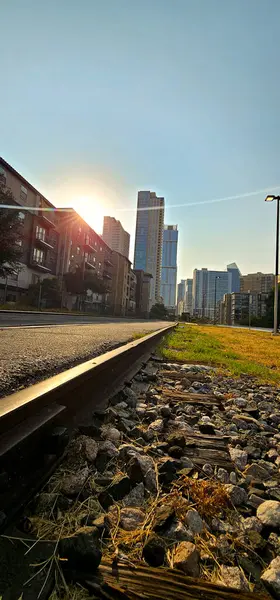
column 270, row 307
column 78, row 282
column 46, row 292
column 10, row 235
column 158, row 311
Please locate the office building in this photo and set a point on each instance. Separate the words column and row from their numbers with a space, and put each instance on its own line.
column 240, row 308
column 209, row 287
column 181, row 291
column 235, row 277
column 257, row 282
column 115, row 236
column 189, row 296
column 169, row 266
column 148, row 239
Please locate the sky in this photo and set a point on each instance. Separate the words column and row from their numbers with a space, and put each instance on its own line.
column 102, row 98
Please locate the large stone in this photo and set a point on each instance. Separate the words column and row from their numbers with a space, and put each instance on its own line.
column 194, row 521
column 107, row 453
column 167, row 470
column 112, row 434
column 73, row 484
column 236, row 494
column 233, row 577
column 163, row 517
column 131, row 518
column 186, row 558
column 271, row 577
column 118, row 489
column 176, row 439
column 256, row 471
column 156, row 426
column 154, row 551
column 177, row 532
column 130, row 397
column 141, row 468
column 136, row 496
column 176, row 451
column 82, row 552
column 239, row 458
column 252, row 524
column 269, row 513
column 90, row 447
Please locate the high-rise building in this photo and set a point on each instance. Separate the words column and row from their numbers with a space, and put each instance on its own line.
column 209, row 287
column 115, row 236
column 169, row 266
column 181, row 291
column 148, row 239
column 189, row 298
column 257, row 282
column 235, row 279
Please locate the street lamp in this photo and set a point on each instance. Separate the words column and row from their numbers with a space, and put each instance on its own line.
column 270, row 199
column 215, row 297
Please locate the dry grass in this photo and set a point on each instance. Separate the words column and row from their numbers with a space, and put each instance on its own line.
column 207, row 496
column 239, row 351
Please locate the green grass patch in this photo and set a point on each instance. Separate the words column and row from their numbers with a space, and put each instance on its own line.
column 216, row 347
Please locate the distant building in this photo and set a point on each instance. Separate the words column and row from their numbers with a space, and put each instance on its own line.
column 257, row 282
column 142, row 294
column 181, row 291
column 115, row 236
column 209, row 287
column 169, row 266
column 189, row 296
column 121, row 294
column 148, row 239
column 235, row 277
column 240, row 308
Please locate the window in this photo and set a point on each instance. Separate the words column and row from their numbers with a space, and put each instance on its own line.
column 99, row 265
column 21, row 217
column 40, row 233
column 38, row 256
column 23, row 192
column 78, row 251
column 35, row 279
column 19, row 243
column 101, row 248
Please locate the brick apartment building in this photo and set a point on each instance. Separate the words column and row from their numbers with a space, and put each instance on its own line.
column 54, row 243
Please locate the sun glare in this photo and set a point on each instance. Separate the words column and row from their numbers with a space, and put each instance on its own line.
column 91, row 210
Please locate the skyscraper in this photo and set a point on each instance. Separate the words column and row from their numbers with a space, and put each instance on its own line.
column 169, row 266
column 235, row 280
column 115, row 236
column 189, row 298
column 209, row 287
column 148, row 239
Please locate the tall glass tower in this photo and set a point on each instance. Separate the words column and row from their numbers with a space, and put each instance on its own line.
column 169, row 266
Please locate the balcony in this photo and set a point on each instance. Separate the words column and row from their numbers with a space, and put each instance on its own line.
column 40, row 266
column 108, row 262
column 43, row 242
column 89, row 264
column 107, row 275
column 45, row 218
column 89, row 245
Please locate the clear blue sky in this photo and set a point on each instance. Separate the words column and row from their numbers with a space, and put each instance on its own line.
column 102, row 98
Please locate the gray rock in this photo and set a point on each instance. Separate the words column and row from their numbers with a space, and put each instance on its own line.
column 208, row 469
column 223, row 475
column 73, row 484
column 112, row 434
column 233, row 577
column 233, row 478
column 156, row 426
column 186, row 463
column 131, row 518
column 269, row 513
column 107, row 452
column 141, row 468
column 130, row 397
column 240, row 402
column 136, row 496
column 177, row 532
column 255, row 500
column 186, row 559
column 271, row 577
column 257, row 472
column 236, row 494
column 194, row 521
column 239, row 458
column 90, row 448
column 252, row 524
column 81, row 551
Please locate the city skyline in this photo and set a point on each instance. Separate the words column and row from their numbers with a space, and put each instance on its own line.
column 87, row 133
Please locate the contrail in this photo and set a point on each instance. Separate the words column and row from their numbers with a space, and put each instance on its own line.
column 227, row 198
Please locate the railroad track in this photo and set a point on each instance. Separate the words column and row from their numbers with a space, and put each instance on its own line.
column 36, row 426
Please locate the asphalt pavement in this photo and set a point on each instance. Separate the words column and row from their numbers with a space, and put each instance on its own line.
column 41, row 319
column 30, row 354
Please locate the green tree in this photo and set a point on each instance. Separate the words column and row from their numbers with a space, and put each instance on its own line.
column 47, row 293
column 10, row 235
column 270, row 308
column 78, row 282
column 158, row 311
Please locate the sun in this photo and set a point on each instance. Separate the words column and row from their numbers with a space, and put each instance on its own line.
column 91, row 210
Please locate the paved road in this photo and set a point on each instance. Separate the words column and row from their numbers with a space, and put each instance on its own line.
column 30, row 354
column 21, row 319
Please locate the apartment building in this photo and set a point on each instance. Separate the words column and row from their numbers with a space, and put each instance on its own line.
column 148, row 239
column 40, row 235
column 142, row 295
column 240, row 308
column 115, row 236
column 169, row 266
column 209, row 288
column 122, row 297
column 257, row 282
column 189, row 296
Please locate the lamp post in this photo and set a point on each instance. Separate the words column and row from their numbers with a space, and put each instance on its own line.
column 270, row 199
column 215, row 297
